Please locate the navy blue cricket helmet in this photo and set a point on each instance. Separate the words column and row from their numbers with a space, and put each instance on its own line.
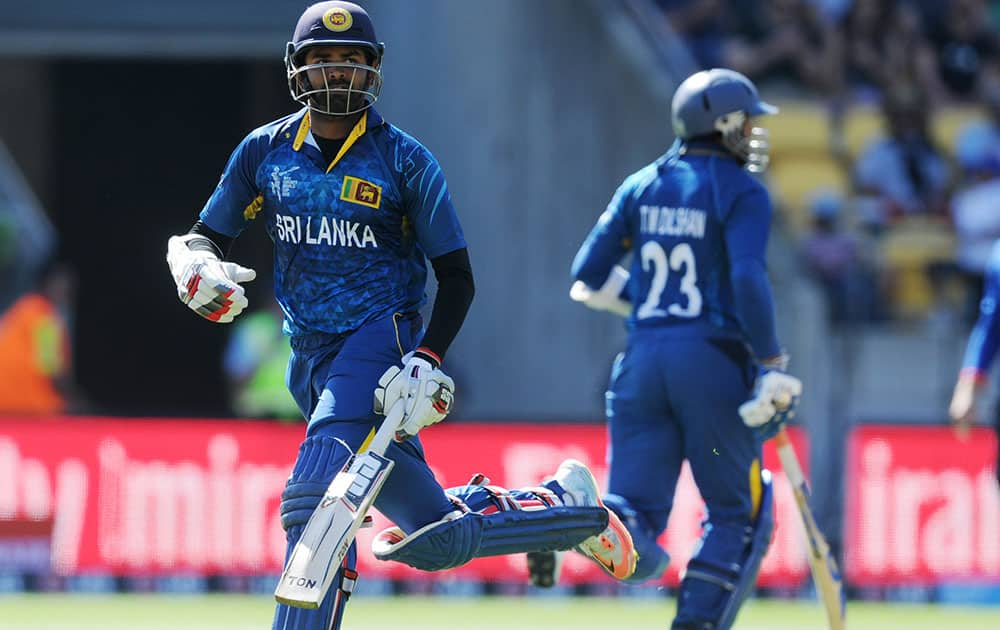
column 720, row 101
column 357, row 86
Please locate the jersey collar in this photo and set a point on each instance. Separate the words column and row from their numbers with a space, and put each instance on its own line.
column 703, row 147
column 368, row 120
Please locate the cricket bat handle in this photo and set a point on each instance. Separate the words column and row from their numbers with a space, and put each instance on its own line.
column 789, row 460
column 387, row 430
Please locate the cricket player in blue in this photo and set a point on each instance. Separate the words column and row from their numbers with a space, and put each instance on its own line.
column 355, row 207
column 702, row 377
column 980, row 351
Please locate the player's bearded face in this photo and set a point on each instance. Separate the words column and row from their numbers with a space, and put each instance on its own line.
column 338, row 88
column 336, row 80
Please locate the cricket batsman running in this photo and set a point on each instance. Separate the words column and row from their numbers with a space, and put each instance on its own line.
column 703, row 375
column 355, row 207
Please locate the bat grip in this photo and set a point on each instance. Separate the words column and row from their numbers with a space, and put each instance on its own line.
column 384, row 435
column 789, row 460
column 781, row 438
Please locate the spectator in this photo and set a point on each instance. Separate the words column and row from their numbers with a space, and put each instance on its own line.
column 964, row 44
column 905, row 170
column 832, row 10
column 883, row 45
column 701, row 23
column 979, row 133
column 255, row 360
column 833, row 257
column 788, row 39
column 35, row 355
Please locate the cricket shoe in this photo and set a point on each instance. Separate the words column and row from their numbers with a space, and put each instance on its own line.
column 612, row 549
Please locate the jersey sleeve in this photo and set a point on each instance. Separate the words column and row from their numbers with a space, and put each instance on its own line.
column 746, row 232
column 608, row 241
column 225, row 211
column 428, row 205
column 982, row 346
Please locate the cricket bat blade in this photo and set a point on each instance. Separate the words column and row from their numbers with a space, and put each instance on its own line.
column 822, row 565
column 331, row 529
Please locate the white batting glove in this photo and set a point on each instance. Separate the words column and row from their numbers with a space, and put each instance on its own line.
column 776, row 397
column 608, row 297
column 209, row 286
column 428, row 393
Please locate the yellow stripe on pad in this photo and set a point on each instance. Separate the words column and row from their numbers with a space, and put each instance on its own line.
column 756, row 489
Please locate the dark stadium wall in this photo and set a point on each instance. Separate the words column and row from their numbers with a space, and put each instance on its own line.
column 140, row 146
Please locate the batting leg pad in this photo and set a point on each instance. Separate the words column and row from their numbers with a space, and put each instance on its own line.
column 462, row 536
column 320, row 459
column 724, row 569
column 330, row 613
column 653, row 560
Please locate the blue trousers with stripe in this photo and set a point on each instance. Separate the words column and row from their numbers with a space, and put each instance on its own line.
column 674, row 396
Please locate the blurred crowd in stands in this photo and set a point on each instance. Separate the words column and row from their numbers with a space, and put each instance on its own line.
column 885, row 158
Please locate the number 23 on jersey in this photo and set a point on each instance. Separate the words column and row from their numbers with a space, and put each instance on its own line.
column 659, row 265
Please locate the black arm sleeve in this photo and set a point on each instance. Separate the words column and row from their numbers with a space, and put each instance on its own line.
column 454, row 295
column 219, row 244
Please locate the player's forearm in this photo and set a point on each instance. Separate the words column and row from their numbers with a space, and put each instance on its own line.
column 752, row 296
column 455, row 291
column 220, row 242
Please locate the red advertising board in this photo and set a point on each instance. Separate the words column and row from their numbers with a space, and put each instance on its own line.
column 153, row 496
column 922, row 506
column 150, row 496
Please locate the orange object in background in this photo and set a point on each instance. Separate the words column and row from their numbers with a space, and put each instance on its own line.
column 34, row 355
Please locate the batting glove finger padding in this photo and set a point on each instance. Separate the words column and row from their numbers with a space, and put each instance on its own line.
column 427, row 391
column 776, row 397
column 208, row 286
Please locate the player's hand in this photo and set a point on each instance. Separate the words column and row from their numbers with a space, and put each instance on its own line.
column 611, row 297
column 962, row 409
column 775, row 400
column 207, row 285
column 427, row 391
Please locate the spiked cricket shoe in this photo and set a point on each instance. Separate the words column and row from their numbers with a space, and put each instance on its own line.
column 612, row 549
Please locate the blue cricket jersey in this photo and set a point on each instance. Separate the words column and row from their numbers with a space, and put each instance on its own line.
column 697, row 224
column 350, row 237
column 981, row 348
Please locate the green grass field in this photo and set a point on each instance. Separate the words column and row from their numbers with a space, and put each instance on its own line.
column 243, row 612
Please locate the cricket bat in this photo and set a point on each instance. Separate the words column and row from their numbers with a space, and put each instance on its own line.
column 330, row 530
column 825, row 573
